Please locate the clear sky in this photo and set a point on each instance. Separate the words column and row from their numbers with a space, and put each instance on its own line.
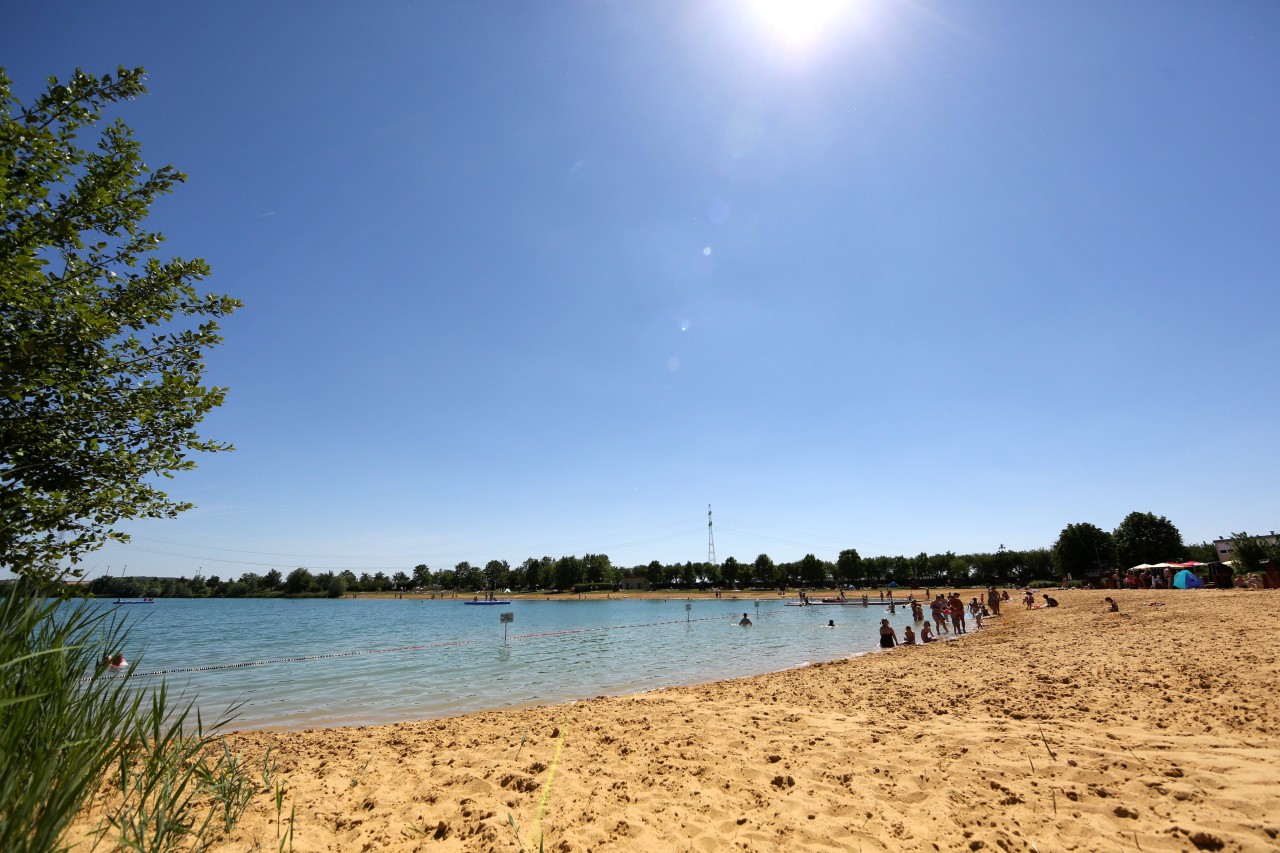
column 527, row 278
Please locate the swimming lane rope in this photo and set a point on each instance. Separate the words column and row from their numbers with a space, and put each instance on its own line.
column 365, row 652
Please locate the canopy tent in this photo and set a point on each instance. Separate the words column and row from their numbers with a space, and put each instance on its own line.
column 1186, row 579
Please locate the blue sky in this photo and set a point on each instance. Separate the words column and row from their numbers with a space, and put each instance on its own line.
column 550, row 278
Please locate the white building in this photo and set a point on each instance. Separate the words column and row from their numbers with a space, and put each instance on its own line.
column 1225, row 547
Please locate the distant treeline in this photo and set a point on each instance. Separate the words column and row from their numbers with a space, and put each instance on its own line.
column 566, row 573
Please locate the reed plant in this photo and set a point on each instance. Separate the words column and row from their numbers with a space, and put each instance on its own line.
column 67, row 722
column 160, row 806
column 64, row 718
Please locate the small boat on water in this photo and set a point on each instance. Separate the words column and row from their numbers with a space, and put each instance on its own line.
column 480, row 603
column 135, row 601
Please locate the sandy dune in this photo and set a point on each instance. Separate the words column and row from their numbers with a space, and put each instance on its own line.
column 1151, row 729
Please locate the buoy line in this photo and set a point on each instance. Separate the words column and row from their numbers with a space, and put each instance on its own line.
column 365, row 652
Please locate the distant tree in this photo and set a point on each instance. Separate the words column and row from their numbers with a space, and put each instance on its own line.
column 421, row 575
column 1081, row 549
column 1248, row 551
column 400, row 581
column 272, row 580
column 849, row 568
column 102, row 344
column 764, row 570
column 597, row 568
column 730, row 571
column 939, row 568
column 1202, row 552
column 336, row 586
column 298, row 581
column 567, row 572
column 467, row 576
column 811, row 571
column 1144, row 537
column 495, row 574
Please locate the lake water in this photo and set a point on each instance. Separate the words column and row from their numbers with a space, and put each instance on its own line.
column 362, row 661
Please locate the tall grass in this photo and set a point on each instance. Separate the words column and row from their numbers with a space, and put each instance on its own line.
column 66, row 722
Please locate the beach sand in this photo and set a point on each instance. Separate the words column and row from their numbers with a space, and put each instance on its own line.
column 1151, row 729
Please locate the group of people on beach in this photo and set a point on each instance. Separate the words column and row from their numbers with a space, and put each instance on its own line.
column 949, row 616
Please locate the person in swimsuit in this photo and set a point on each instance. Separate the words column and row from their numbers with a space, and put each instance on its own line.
column 908, row 636
column 1050, row 601
column 744, row 621
column 926, row 634
column 888, row 639
column 957, row 614
column 1112, row 607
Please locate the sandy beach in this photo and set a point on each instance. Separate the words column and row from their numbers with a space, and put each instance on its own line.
column 1152, row 729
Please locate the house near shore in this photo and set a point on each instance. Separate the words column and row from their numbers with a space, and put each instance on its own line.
column 634, row 582
column 1225, row 547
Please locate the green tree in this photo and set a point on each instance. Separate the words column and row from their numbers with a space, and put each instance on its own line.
column 730, row 571
column 495, row 573
column 567, row 572
column 271, row 580
column 811, row 570
column 849, row 569
column 102, row 345
column 421, row 575
column 298, row 581
column 1201, row 552
column 764, row 570
column 1248, row 551
column 597, row 568
column 1081, row 549
column 1144, row 537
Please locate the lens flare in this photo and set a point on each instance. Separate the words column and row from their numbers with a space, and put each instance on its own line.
column 799, row 23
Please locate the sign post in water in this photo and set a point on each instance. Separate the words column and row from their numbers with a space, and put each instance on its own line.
column 688, row 605
column 506, row 618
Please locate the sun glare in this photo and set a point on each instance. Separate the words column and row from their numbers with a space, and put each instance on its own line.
column 799, row 23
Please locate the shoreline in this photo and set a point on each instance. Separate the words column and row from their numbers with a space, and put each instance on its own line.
column 1154, row 728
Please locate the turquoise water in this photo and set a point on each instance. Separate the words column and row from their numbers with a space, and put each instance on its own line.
column 446, row 658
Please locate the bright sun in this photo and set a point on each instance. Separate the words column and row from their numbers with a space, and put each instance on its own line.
column 799, row 23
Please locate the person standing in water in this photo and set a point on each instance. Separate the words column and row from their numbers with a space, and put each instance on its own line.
column 745, row 622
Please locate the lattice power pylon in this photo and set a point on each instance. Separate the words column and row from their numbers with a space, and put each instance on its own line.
column 711, row 540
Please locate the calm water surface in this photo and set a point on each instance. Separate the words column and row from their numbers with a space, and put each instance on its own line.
column 447, row 658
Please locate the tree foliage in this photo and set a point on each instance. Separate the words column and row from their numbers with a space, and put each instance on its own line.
column 1081, row 549
column 1144, row 537
column 1247, row 552
column 101, row 342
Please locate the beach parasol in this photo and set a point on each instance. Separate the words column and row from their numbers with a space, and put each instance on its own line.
column 1186, row 579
